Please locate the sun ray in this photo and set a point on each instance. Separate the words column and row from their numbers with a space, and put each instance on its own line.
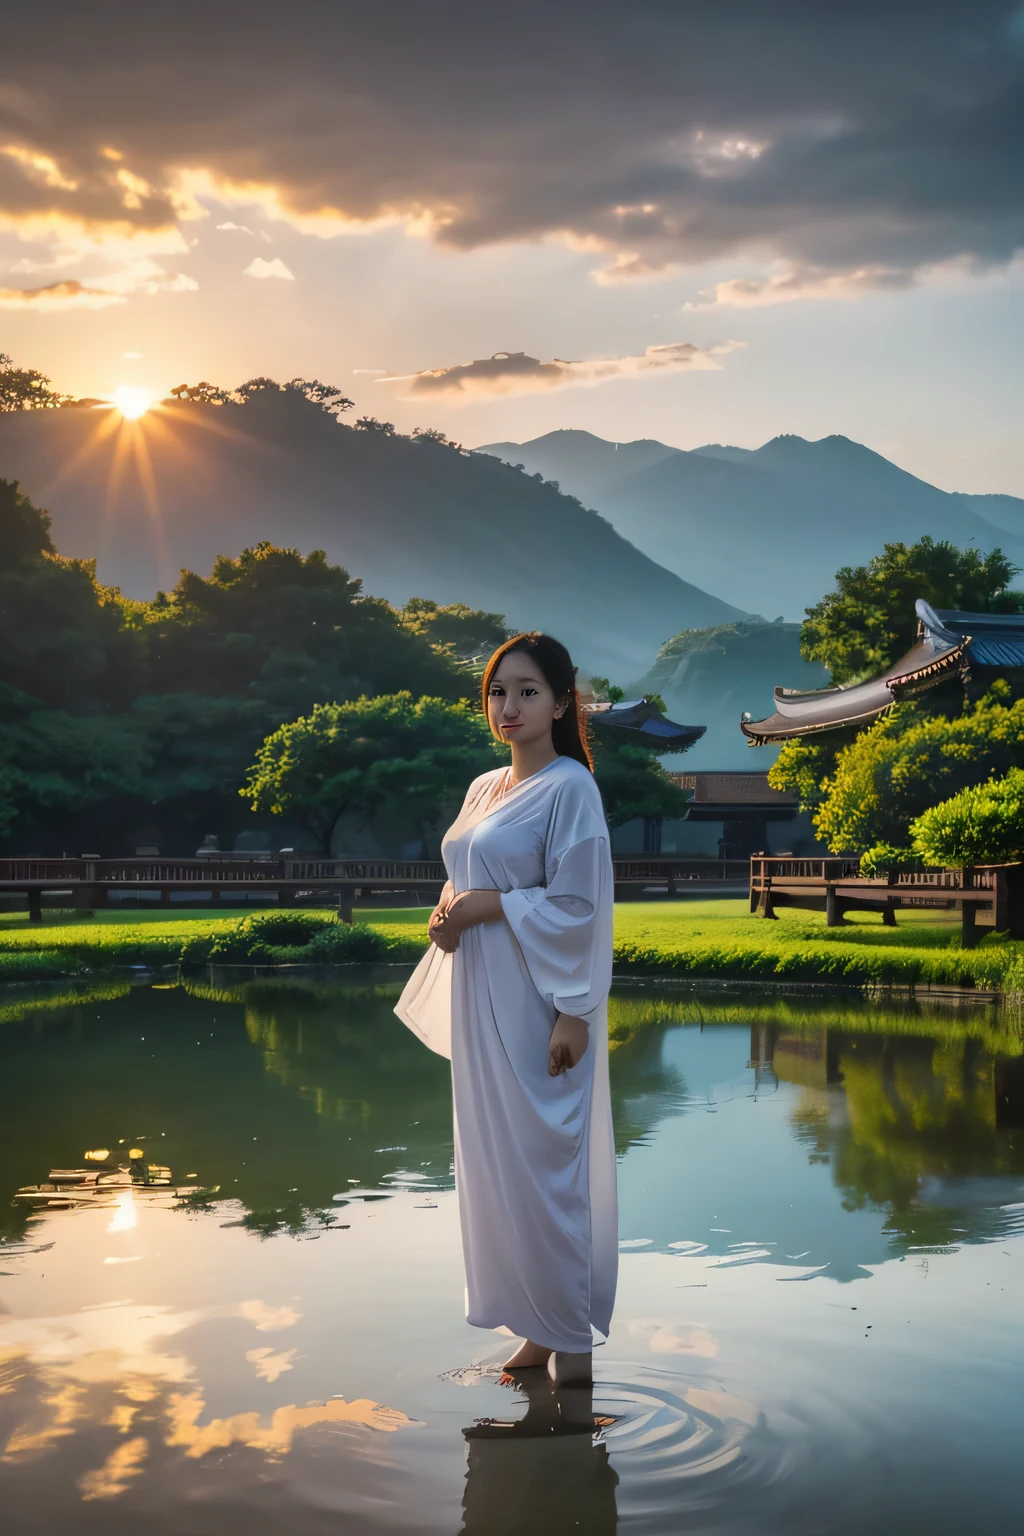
column 106, row 423
column 151, row 495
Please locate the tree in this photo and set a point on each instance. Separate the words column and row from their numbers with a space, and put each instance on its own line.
column 54, row 766
column 292, row 630
column 371, row 424
column 606, row 692
column 868, row 621
column 203, row 393
column 369, row 757
column 981, row 825
column 26, row 389
column 435, row 437
column 464, row 632
column 24, row 529
column 261, row 385
column 327, row 396
column 903, row 764
column 634, row 784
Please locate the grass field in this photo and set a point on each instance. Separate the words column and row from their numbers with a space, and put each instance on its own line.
column 714, row 938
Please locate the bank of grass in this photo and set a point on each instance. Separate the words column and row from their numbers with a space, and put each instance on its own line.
column 704, row 939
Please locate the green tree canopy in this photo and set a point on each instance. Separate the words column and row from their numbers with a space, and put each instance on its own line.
column 633, row 783
column 369, row 757
column 903, row 764
column 295, row 630
column 868, row 621
column 24, row 529
column 462, row 631
column 981, row 825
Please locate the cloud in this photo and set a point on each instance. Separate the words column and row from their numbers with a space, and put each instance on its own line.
column 270, row 1365
column 69, row 294
column 792, row 287
column 833, row 138
column 266, row 1318
column 516, row 373
column 242, row 229
column 258, row 267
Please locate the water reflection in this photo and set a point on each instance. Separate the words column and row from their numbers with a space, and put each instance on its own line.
column 158, row 1362
column 543, row 1466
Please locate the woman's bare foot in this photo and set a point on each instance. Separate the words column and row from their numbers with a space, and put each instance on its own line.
column 526, row 1355
column 574, row 1370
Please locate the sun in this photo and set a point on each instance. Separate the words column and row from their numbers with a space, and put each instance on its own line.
column 132, row 400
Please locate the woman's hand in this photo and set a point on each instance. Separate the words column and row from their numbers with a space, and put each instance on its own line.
column 471, row 908
column 438, row 931
column 569, row 1040
column 441, row 933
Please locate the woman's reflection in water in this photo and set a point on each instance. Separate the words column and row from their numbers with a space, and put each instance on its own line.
column 541, row 1473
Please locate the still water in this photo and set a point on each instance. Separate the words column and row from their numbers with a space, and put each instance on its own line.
column 819, row 1326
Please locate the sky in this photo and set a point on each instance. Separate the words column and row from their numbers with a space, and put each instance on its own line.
column 694, row 221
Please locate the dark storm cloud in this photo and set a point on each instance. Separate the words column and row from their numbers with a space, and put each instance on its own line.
column 837, row 136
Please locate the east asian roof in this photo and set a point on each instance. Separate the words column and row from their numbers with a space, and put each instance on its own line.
column 644, row 721
column 948, row 643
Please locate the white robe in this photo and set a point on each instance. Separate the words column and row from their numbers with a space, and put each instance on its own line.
column 534, row 1154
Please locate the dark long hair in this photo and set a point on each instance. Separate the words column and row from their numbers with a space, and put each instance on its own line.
column 569, row 732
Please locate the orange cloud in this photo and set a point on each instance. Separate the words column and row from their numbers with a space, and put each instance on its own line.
column 68, row 294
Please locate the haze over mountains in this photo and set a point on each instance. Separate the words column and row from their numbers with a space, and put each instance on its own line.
column 191, row 481
column 764, row 528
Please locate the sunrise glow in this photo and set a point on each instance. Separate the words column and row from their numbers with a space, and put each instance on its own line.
column 132, row 400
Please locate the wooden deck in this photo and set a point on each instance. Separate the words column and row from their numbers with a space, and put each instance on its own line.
column 287, row 879
column 989, row 896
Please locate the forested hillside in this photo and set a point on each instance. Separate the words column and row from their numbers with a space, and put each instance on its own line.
column 414, row 516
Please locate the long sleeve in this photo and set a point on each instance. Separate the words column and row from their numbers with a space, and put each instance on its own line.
column 564, row 928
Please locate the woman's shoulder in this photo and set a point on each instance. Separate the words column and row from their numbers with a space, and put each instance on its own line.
column 576, row 783
column 484, row 781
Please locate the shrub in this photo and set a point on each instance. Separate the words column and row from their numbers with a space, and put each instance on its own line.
column 342, row 944
column 980, row 825
column 284, row 927
column 883, row 859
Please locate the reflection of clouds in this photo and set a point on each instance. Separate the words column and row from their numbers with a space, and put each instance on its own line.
column 266, row 1318
column 274, row 1439
column 269, row 1366
column 674, row 1338
column 108, row 1369
column 62, row 1410
column 110, row 1480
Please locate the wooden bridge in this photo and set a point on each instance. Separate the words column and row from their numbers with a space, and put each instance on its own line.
column 288, row 878
column 989, row 895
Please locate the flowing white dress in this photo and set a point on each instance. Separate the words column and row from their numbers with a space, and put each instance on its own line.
column 534, row 1154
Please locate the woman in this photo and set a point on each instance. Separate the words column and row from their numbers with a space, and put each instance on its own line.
column 514, row 990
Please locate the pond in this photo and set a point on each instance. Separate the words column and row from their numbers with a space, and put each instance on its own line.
column 248, row 1316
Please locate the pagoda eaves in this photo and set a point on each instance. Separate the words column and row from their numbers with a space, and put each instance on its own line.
column 948, row 643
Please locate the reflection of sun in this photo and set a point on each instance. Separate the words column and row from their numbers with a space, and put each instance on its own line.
column 132, row 400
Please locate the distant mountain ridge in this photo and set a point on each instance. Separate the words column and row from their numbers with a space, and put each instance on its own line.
column 191, row 481
column 768, row 527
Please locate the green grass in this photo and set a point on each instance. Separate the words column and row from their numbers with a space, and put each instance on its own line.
column 709, row 939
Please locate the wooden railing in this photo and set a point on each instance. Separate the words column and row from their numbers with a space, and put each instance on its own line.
column 988, row 895
column 245, row 869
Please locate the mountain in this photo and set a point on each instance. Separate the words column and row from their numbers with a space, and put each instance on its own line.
column 1005, row 512
column 769, row 527
column 711, row 676
column 189, row 482
column 581, row 463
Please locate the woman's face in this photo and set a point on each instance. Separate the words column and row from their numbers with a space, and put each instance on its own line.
column 520, row 702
